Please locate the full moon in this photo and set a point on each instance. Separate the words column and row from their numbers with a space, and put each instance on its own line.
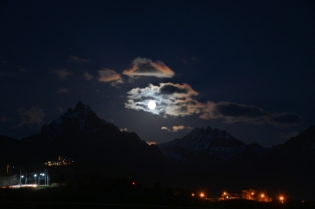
column 151, row 105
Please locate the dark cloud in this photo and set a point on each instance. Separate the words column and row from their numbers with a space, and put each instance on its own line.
column 62, row 73
column 4, row 119
column 232, row 112
column 77, row 59
column 236, row 110
column 63, row 90
column 285, row 119
column 171, row 89
column 87, row 76
column 34, row 115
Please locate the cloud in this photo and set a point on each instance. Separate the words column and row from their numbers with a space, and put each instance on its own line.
column 288, row 135
column 62, row 74
column 233, row 112
column 4, row 119
column 77, row 59
column 63, row 90
column 165, row 128
column 145, row 67
column 175, row 128
column 60, row 109
column 87, row 76
column 107, row 75
column 178, row 100
column 178, row 128
column 34, row 115
column 151, row 143
column 123, row 129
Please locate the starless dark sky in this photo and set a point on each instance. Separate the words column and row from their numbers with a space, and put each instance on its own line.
column 246, row 67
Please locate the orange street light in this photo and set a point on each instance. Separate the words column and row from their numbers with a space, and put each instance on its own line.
column 202, row 194
column 281, row 199
column 262, row 195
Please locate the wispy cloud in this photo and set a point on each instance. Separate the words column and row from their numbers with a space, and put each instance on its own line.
column 60, row 109
column 34, row 115
column 151, row 143
column 8, row 69
column 178, row 100
column 63, row 90
column 146, row 67
column 87, row 76
column 4, row 119
column 62, row 73
column 175, row 128
column 165, row 128
column 111, row 76
column 288, row 135
column 77, row 59
column 123, row 129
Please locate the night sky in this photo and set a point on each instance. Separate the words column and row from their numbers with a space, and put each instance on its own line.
column 246, row 67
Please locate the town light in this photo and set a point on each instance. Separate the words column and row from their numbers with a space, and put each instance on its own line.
column 281, row 199
column 252, row 193
column 192, row 194
column 262, row 195
column 202, row 194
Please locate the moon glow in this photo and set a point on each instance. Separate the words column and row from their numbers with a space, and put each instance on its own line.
column 151, row 105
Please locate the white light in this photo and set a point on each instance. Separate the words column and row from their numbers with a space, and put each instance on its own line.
column 151, row 105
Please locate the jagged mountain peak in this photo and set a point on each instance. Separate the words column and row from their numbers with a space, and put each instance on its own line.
column 80, row 120
column 80, row 107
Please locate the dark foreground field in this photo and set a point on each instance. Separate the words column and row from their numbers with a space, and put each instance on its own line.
column 123, row 197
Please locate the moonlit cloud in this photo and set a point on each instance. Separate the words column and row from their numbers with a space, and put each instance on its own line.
column 111, row 76
column 146, row 67
column 87, row 76
column 63, row 90
column 151, row 143
column 175, row 128
column 34, row 115
column 62, row 74
column 123, row 129
column 165, row 128
column 178, row 100
column 77, row 59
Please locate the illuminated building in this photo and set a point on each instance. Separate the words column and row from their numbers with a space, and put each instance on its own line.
column 61, row 161
column 249, row 194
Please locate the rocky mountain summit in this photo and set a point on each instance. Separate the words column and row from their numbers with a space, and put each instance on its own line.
column 209, row 147
column 79, row 133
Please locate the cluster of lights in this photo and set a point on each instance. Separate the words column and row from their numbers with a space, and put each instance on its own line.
column 201, row 194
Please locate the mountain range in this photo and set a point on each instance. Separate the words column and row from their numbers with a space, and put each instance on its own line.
column 219, row 159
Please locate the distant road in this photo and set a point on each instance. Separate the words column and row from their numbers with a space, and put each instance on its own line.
column 71, row 205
